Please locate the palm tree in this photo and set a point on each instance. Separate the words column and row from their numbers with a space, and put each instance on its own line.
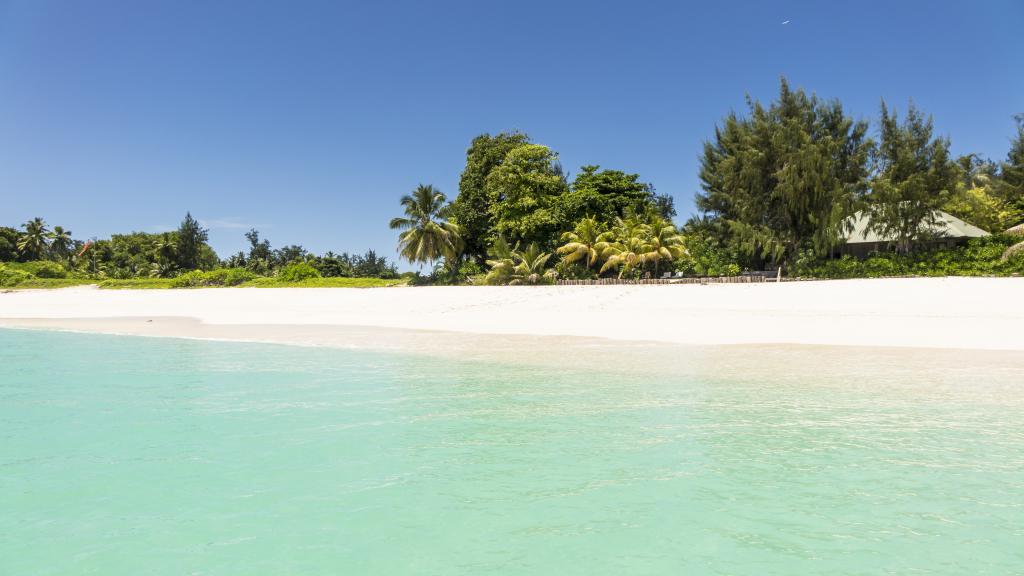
column 33, row 242
column 663, row 243
column 61, row 243
column 530, row 267
column 624, row 245
column 427, row 235
column 514, row 267
column 581, row 243
column 501, row 261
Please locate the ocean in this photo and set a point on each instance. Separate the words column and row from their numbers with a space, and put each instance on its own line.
column 132, row 455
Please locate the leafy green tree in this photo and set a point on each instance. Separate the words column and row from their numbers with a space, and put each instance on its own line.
column 260, row 254
column 525, row 191
column 914, row 177
column 426, row 234
column 1010, row 186
column 369, row 265
column 191, row 240
column 289, row 255
column 606, row 195
column 785, row 178
column 580, row 245
column 471, row 210
column 976, row 198
column 34, row 240
column 9, row 238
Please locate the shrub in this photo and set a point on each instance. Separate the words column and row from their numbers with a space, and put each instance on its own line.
column 44, row 269
column 297, row 272
column 193, row 279
column 236, row 276
column 878, row 267
column 980, row 257
column 10, row 277
column 218, row 277
column 227, row 277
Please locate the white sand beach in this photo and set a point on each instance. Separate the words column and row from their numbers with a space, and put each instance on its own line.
column 961, row 313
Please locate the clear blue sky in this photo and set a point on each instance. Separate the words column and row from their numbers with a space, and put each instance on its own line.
column 308, row 120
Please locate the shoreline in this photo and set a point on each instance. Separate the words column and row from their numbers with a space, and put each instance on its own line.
column 927, row 313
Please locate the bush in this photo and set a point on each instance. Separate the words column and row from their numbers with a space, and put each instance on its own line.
column 228, row 276
column 10, row 277
column 218, row 277
column 44, row 269
column 193, row 279
column 297, row 272
column 980, row 257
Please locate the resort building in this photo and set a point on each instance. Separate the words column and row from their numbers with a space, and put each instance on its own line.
column 947, row 232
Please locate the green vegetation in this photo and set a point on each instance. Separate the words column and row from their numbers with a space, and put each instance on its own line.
column 981, row 257
column 783, row 184
column 335, row 282
column 426, row 234
column 780, row 186
column 37, row 257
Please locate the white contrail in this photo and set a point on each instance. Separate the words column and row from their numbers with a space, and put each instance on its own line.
column 786, row 22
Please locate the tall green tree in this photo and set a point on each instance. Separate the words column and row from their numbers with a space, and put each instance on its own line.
column 525, row 193
column 664, row 244
column 623, row 247
column 580, row 244
column 977, row 197
column 914, row 177
column 426, row 235
column 61, row 243
column 606, row 195
column 1010, row 186
column 785, row 178
column 34, row 240
column 9, row 238
column 471, row 209
column 191, row 243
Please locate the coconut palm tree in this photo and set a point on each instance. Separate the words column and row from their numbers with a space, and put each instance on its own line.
column 514, row 267
column 427, row 235
column 581, row 243
column 663, row 243
column 530, row 267
column 33, row 241
column 61, row 243
column 624, row 245
column 501, row 262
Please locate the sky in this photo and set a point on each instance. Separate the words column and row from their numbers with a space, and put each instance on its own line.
column 309, row 120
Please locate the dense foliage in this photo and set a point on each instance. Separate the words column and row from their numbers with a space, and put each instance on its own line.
column 37, row 256
column 785, row 178
column 787, row 181
column 981, row 257
column 781, row 188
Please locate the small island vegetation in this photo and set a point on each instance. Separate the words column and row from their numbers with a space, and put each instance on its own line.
column 781, row 186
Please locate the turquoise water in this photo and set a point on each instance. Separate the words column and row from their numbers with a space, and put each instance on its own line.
column 123, row 455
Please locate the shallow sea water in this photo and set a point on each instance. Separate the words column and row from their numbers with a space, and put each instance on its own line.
column 129, row 455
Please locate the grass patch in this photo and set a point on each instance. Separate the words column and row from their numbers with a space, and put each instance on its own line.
column 325, row 283
column 162, row 283
column 137, row 284
column 48, row 283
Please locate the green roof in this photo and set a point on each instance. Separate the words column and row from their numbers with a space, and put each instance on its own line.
column 946, row 226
